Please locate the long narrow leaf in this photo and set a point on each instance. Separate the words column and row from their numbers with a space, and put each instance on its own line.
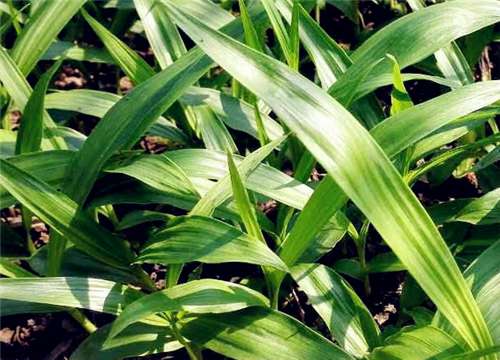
column 92, row 294
column 60, row 212
column 338, row 144
column 29, row 137
column 41, row 29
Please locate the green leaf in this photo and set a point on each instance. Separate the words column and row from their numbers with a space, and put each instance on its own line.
column 138, row 217
column 86, row 293
column 48, row 166
column 330, row 59
column 138, row 339
column 211, row 14
column 162, row 34
column 402, row 130
column 294, row 36
column 137, row 69
column 29, row 137
column 198, row 238
column 304, row 230
column 123, row 124
column 426, row 30
column 400, row 100
column 481, row 211
column 20, row 91
column 260, row 333
column 326, row 239
column 475, row 355
column 13, row 307
column 213, row 131
column 97, row 103
column 164, row 175
column 251, row 37
column 76, row 52
column 347, row 318
column 420, row 315
column 221, row 191
column 385, row 262
column 345, row 150
column 235, row 113
column 417, row 344
column 8, row 268
column 450, row 158
column 245, row 206
column 279, row 29
column 452, row 131
column 450, row 60
column 76, row 263
column 266, row 180
column 483, row 276
column 197, row 297
column 60, row 213
column 42, row 28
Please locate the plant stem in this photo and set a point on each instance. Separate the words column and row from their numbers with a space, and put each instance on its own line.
column 194, row 354
column 144, row 279
column 82, row 320
column 360, row 242
column 26, row 218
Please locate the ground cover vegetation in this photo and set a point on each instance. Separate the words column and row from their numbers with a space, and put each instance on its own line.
column 251, row 179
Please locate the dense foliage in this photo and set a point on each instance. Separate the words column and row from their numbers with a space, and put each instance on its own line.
column 252, row 179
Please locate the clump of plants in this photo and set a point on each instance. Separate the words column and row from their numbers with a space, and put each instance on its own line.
column 252, row 179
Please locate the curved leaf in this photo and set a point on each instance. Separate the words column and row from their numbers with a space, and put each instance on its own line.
column 260, row 333
column 48, row 166
column 431, row 343
column 86, row 293
column 198, row 238
column 44, row 24
column 20, row 91
column 483, row 276
column 138, row 339
column 346, row 151
column 97, row 103
column 60, row 212
column 427, row 30
column 347, row 318
column 198, row 297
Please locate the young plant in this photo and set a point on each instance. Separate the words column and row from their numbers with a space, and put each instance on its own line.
column 275, row 152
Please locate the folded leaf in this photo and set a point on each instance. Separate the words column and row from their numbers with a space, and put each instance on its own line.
column 347, row 318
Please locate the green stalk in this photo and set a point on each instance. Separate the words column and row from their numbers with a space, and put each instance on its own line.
column 194, row 354
column 26, row 218
column 82, row 320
